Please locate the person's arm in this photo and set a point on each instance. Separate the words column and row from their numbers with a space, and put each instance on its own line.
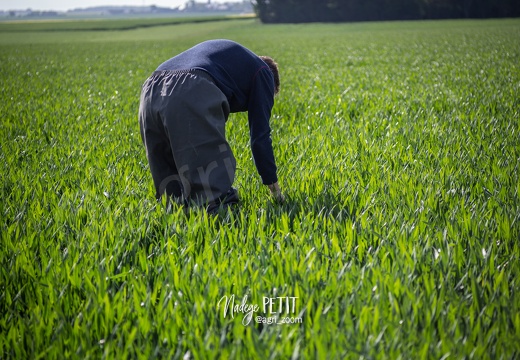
column 259, row 112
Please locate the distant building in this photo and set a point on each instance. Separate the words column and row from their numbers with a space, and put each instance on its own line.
column 191, row 6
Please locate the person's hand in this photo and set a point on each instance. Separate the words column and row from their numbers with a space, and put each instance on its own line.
column 276, row 193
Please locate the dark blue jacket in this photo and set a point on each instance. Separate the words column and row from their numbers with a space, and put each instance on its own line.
column 248, row 85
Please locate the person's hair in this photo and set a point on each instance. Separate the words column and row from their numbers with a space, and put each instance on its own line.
column 274, row 69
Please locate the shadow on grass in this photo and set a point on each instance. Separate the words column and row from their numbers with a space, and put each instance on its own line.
column 296, row 207
column 177, row 220
column 324, row 204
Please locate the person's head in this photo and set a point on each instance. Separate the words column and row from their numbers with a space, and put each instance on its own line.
column 274, row 69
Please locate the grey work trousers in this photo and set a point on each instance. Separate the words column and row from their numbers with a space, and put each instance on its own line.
column 182, row 116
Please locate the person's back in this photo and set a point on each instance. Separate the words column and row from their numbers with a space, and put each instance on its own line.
column 233, row 67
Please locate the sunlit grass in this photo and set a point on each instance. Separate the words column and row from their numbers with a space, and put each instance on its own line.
column 397, row 145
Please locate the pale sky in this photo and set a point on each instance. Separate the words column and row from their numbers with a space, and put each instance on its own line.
column 63, row 5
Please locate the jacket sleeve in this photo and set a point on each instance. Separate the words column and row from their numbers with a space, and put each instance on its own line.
column 260, row 104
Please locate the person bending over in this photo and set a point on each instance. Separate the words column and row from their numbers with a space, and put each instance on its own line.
column 183, row 110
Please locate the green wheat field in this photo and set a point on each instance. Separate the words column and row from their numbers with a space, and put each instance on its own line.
column 398, row 149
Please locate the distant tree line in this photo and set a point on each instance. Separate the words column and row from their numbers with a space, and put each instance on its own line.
column 296, row 11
